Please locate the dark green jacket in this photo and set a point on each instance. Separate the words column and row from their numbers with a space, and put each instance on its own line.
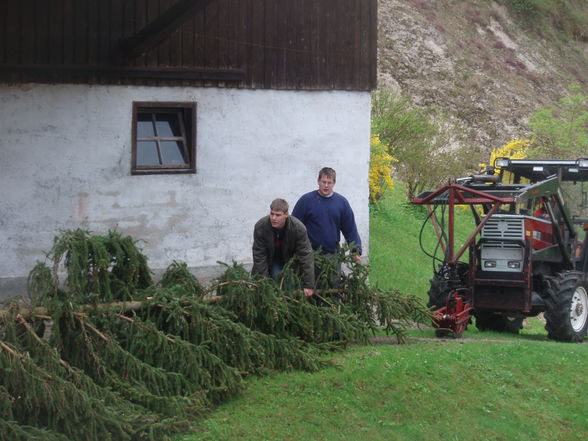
column 295, row 244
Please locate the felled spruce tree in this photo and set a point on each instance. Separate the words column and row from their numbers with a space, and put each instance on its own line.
column 108, row 354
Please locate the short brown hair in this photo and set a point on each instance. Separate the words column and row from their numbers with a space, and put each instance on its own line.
column 328, row 172
column 279, row 205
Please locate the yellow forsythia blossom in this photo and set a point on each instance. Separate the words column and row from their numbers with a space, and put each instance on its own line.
column 515, row 149
column 380, row 163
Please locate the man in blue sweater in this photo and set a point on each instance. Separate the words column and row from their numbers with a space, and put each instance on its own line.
column 326, row 214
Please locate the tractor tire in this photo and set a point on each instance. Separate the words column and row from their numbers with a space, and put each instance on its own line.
column 513, row 325
column 437, row 293
column 492, row 321
column 567, row 318
column 439, row 289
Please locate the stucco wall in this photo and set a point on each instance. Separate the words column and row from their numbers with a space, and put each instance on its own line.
column 65, row 155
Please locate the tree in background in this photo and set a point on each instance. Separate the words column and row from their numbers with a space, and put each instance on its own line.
column 419, row 143
column 561, row 133
column 380, row 165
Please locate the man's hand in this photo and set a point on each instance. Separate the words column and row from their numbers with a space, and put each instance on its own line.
column 308, row 292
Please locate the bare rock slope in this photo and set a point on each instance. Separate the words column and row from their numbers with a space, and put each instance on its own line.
column 471, row 60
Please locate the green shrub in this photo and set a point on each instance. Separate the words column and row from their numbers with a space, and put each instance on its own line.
column 420, row 143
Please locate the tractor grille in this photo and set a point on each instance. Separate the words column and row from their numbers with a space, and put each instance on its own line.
column 502, row 249
column 501, row 227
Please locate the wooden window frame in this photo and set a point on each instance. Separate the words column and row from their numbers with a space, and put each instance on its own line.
column 187, row 115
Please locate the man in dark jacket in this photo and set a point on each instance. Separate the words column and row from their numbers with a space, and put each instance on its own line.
column 277, row 238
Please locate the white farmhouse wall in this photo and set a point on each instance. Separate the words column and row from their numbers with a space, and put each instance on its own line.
column 65, row 158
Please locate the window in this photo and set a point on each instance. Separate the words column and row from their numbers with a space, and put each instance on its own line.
column 164, row 138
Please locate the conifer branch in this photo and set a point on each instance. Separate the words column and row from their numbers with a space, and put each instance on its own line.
column 230, row 282
column 23, row 322
column 10, row 350
column 141, row 325
column 80, row 317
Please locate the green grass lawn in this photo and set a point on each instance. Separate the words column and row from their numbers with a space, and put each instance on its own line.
column 483, row 387
column 480, row 390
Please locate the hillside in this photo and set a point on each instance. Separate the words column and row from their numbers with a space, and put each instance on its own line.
column 483, row 67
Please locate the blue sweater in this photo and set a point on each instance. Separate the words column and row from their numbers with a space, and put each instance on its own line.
column 324, row 218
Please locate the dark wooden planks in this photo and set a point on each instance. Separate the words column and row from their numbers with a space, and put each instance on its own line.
column 27, row 31
column 281, row 44
column 256, row 52
column 12, row 32
column 373, row 45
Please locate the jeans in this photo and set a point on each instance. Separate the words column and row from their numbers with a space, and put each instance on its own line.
column 275, row 270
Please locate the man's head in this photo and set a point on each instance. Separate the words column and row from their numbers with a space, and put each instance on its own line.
column 278, row 213
column 326, row 181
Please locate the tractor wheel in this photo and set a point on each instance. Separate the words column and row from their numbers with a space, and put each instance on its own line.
column 567, row 319
column 440, row 284
column 513, row 324
column 493, row 321
column 437, row 293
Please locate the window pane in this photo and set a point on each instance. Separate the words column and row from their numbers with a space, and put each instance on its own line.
column 147, row 153
column 173, row 153
column 162, row 142
column 145, row 126
column 168, row 125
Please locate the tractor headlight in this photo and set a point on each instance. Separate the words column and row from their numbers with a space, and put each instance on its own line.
column 501, row 162
column 490, row 264
column 514, row 264
column 582, row 163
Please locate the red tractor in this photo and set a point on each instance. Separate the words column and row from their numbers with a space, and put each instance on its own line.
column 526, row 253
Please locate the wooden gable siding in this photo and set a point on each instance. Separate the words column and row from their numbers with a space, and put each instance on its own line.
column 273, row 44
